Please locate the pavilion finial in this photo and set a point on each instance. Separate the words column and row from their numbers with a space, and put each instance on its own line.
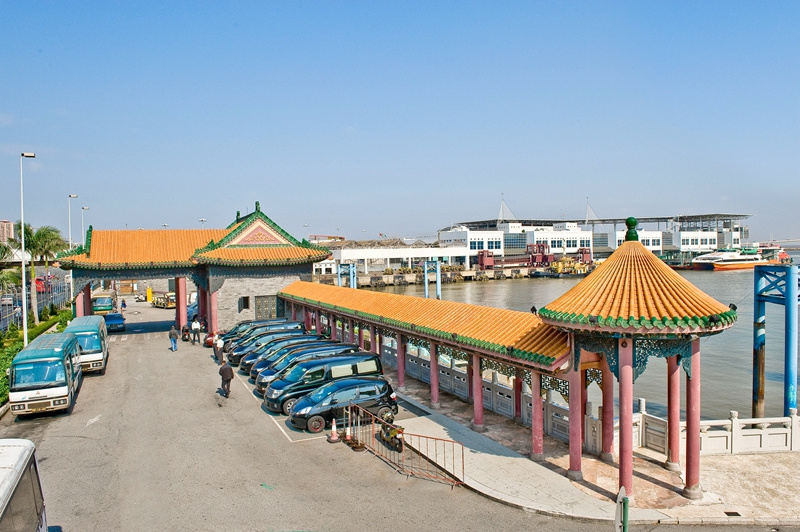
column 258, row 206
column 631, row 235
column 238, row 215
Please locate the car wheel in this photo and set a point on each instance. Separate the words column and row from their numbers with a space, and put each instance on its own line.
column 287, row 405
column 385, row 414
column 316, row 424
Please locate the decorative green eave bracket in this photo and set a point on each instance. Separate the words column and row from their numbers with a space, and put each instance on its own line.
column 726, row 318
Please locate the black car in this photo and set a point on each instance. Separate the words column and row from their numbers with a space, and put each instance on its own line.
column 258, row 349
column 235, row 356
column 257, row 330
column 316, row 410
column 270, row 356
column 294, row 357
column 240, row 327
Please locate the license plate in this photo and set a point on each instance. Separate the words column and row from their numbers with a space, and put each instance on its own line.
column 38, row 407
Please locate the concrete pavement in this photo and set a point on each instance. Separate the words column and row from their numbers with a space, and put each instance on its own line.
column 738, row 490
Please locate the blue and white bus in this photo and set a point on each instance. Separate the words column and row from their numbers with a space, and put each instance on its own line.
column 21, row 495
column 93, row 339
column 46, row 375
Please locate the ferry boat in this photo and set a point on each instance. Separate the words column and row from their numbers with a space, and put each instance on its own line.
column 739, row 259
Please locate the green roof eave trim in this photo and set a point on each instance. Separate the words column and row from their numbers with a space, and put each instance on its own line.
column 519, row 354
column 713, row 321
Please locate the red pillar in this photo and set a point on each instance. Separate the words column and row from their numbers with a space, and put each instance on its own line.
column 180, row 301
column 361, row 336
column 373, row 340
column 537, row 421
column 518, row 395
column 401, row 362
column 575, row 471
column 477, row 393
column 87, row 300
column 625, row 350
column 213, row 321
column 434, row 360
column 202, row 305
column 80, row 305
column 351, row 333
column 307, row 318
column 294, row 311
column 332, row 325
column 584, row 399
column 607, row 454
column 673, row 462
column 692, row 489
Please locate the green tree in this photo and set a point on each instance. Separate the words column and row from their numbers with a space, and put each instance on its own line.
column 42, row 244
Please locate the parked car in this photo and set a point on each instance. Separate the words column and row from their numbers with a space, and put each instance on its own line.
column 283, row 392
column 291, row 359
column 114, row 321
column 255, row 330
column 234, row 357
column 270, row 356
column 316, row 410
column 242, row 326
column 6, row 301
column 266, row 350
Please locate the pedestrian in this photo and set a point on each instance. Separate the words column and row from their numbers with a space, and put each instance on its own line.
column 219, row 343
column 124, row 306
column 195, row 330
column 173, row 338
column 226, row 372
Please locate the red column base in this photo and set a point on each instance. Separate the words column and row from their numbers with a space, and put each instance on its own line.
column 693, row 493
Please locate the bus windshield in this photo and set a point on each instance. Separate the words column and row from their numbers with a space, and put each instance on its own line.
column 33, row 375
column 103, row 302
column 90, row 342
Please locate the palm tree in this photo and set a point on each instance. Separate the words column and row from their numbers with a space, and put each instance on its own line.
column 42, row 244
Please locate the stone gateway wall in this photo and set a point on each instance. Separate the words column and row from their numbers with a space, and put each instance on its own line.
column 236, row 300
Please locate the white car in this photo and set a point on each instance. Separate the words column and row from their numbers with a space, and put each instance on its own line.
column 6, row 301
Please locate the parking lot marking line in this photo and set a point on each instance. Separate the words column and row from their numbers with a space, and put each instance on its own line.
column 246, row 387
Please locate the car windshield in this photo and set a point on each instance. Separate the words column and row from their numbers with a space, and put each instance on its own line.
column 45, row 374
column 103, row 302
column 295, row 375
column 322, row 392
column 90, row 342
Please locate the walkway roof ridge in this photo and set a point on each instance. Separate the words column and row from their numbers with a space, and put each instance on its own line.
column 520, row 336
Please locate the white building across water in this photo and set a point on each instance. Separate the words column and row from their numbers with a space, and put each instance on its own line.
column 459, row 244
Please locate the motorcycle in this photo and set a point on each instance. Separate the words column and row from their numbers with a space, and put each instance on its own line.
column 392, row 436
column 186, row 333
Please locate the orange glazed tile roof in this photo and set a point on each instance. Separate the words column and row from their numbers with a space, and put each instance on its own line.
column 519, row 337
column 633, row 291
column 253, row 240
column 144, row 247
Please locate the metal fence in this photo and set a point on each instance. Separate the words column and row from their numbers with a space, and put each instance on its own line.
column 421, row 456
column 55, row 293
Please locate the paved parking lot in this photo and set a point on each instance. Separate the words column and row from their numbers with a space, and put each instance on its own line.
column 152, row 446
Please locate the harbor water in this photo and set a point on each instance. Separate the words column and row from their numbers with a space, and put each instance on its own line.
column 727, row 358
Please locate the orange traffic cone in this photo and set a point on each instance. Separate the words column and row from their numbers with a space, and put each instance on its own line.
column 347, row 433
column 334, row 436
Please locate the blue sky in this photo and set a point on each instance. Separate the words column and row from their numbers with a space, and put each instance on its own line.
column 360, row 118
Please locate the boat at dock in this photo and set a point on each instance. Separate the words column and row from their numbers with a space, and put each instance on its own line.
column 740, row 259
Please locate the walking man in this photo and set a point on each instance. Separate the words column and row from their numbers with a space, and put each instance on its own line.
column 219, row 343
column 226, row 372
column 173, row 338
column 195, row 330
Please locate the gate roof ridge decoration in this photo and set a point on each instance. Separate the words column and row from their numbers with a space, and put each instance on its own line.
column 635, row 292
column 515, row 337
column 252, row 240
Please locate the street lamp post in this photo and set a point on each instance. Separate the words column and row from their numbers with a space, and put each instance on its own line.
column 69, row 217
column 22, row 156
column 83, row 231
